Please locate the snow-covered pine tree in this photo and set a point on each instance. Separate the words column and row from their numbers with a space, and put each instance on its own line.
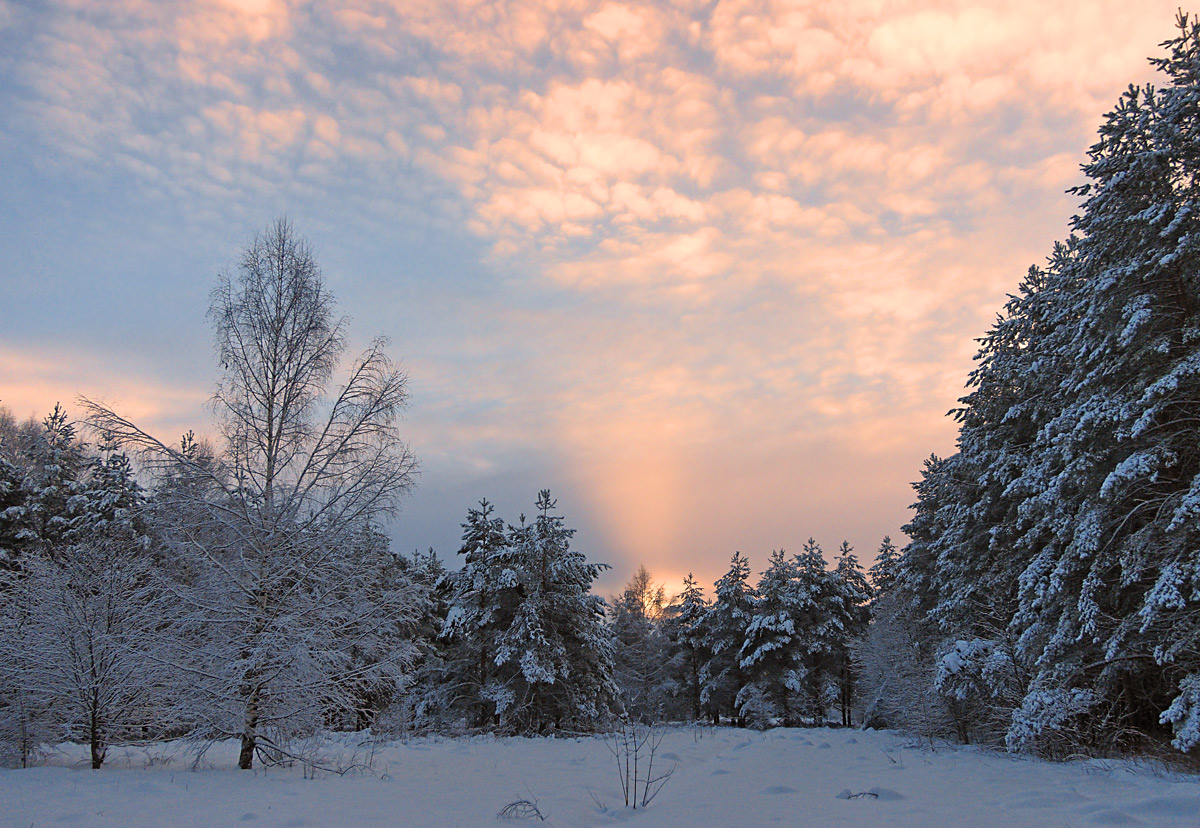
column 684, row 631
column 557, row 653
column 817, row 632
column 979, row 557
column 1111, row 602
column 771, row 658
column 850, row 610
column 12, row 512
column 483, row 599
column 55, row 471
column 724, row 630
column 884, row 571
column 109, row 500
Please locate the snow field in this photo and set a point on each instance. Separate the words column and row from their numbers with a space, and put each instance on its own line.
column 724, row 777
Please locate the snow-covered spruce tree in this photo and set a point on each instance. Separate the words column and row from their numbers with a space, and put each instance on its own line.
column 483, row 600
column 110, row 500
column 55, row 470
column 12, row 506
column 850, row 612
column 724, row 631
column 275, row 604
column 640, row 654
column 555, row 659
column 683, row 628
column 884, row 571
column 771, row 657
column 819, row 632
column 985, row 539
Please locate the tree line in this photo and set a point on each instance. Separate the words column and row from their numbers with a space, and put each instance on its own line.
column 525, row 646
column 243, row 588
column 131, row 613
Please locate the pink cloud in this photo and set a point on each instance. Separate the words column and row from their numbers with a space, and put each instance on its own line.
column 788, row 219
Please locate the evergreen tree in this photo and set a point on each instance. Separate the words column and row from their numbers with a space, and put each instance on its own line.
column 54, row 479
column 850, row 611
column 684, row 631
column 12, row 512
column 724, row 630
column 110, row 499
column 771, row 657
column 818, row 632
column 1056, row 551
column 483, row 598
column 557, row 653
column 884, row 571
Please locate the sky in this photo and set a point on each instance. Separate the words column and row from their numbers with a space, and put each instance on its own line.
column 712, row 272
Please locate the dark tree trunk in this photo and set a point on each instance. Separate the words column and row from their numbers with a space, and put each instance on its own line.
column 483, row 715
column 95, row 738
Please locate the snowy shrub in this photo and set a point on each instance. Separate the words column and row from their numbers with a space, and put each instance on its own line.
column 1184, row 714
column 756, row 708
column 78, row 652
column 978, row 678
column 1045, row 723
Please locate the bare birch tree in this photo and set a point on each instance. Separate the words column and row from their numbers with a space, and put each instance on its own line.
column 280, row 598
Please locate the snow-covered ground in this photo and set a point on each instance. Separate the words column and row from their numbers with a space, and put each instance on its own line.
column 724, row 777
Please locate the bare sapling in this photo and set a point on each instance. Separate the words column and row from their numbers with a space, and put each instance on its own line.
column 635, row 748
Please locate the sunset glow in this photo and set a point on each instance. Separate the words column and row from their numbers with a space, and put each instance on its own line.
column 712, row 272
